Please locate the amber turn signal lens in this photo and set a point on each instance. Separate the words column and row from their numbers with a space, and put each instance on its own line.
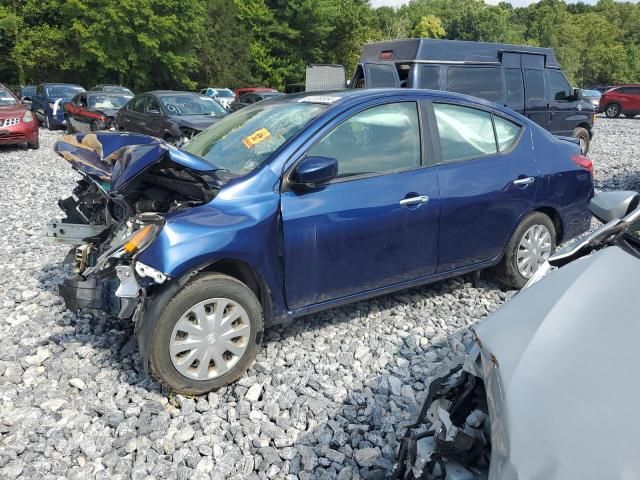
column 137, row 239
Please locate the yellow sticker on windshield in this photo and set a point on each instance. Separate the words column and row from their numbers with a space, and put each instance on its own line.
column 256, row 137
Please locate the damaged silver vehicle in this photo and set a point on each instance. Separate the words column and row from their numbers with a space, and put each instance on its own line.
column 549, row 388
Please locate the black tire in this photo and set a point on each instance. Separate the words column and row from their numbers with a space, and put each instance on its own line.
column 507, row 270
column 585, row 139
column 201, row 288
column 630, row 115
column 612, row 110
column 69, row 127
column 35, row 145
column 93, row 126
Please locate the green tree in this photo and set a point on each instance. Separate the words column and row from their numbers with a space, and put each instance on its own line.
column 429, row 26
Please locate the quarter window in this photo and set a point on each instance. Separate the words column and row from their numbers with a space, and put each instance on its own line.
column 379, row 139
column 558, row 86
column 506, row 132
column 429, row 77
column 483, row 82
column 464, row 132
column 534, row 81
column 380, row 76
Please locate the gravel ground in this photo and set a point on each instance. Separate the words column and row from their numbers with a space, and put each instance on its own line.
column 325, row 399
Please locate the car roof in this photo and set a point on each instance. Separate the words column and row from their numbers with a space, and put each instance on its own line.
column 356, row 95
column 104, row 94
column 436, row 50
column 170, row 92
column 65, row 84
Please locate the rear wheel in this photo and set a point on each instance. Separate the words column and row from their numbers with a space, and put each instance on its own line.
column 530, row 246
column 613, row 110
column 582, row 134
column 207, row 336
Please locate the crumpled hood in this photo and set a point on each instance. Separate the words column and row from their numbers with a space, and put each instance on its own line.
column 109, row 112
column 559, row 362
column 197, row 122
column 114, row 158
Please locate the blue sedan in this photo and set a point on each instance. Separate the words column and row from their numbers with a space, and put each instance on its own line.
column 47, row 103
column 303, row 203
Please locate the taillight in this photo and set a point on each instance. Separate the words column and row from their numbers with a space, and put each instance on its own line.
column 584, row 162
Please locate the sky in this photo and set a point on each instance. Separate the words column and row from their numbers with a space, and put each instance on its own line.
column 515, row 3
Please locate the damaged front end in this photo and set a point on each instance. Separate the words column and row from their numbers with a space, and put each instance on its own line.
column 130, row 183
column 451, row 438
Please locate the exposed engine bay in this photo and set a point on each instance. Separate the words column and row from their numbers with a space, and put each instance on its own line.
column 451, row 438
column 116, row 210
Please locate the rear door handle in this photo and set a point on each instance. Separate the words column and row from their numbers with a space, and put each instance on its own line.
column 417, row 200
column 524, row 181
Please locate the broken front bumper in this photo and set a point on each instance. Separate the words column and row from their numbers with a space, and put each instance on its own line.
column 115, row 291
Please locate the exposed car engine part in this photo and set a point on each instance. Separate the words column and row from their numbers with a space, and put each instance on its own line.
column 450, row 438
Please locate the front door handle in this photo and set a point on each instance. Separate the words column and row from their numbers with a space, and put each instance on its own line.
column 524, row 181
column 417, row 200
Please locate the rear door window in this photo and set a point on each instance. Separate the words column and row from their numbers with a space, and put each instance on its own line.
column 515, row 89
column 534, row 82
column 483, row 82
column 379, row 139
column 464, row 132
column 430, row 77
column 381, row 76
column 559, row 88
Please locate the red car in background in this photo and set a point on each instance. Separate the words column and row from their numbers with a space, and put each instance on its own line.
column 621, row 99
column 17, row 124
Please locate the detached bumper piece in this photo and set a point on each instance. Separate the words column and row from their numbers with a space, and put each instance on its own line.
column 96, row 294
column 450, row 439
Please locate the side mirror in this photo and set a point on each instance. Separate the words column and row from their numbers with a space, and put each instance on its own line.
column 315, row 171
column 25, row 99
column 609, row 206
column 577, row 93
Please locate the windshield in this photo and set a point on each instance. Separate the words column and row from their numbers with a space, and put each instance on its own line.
column 108, row 101
column 189, row 104
column 6, row 98
column 244, row 140
column 63, row 91
column 591, row 93
column 116, row 89
column 28, row 91
column 225, row 92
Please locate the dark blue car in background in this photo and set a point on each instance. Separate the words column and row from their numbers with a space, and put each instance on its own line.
column 303, row 203
column 48, row 103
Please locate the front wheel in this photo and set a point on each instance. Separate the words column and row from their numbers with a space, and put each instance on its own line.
column 69, row 127
column 530, row 246
column 613, row 110
column 207, row 336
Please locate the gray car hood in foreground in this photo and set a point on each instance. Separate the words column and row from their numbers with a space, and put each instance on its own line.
column 560, row 365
